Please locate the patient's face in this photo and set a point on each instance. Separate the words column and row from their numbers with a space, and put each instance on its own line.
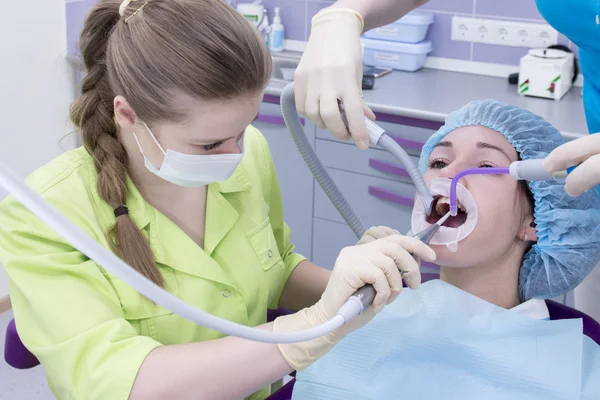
column 498, row 199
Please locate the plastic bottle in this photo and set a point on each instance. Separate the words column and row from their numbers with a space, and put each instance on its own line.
column 277, row 33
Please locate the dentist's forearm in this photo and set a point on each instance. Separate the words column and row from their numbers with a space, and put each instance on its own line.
column 228, row 368
column 380, row 12
column 305, row 286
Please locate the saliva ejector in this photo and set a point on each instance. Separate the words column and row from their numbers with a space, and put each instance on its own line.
column 355, row 305
column 526, row 170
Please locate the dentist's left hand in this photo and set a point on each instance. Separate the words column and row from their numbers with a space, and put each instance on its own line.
column 583, row 153
column 377, row 263
column 377, row 232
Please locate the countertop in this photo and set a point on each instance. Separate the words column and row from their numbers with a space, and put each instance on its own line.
column 432, row 94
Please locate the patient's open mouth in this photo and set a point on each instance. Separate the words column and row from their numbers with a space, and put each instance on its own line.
column 441, row 205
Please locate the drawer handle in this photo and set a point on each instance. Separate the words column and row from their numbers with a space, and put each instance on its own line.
column 273, row 119
column 392, row 197
column 408, row 144
column 387, row 167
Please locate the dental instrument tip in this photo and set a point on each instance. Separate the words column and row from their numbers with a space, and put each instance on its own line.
column 444, row 219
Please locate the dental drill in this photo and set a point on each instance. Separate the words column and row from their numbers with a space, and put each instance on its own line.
column 526, row 170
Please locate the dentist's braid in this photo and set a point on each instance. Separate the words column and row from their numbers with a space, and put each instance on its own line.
column 93, row 113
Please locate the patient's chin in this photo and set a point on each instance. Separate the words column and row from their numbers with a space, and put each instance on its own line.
column 447, row 258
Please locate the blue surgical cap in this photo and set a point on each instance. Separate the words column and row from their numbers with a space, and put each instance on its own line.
column 568, row 229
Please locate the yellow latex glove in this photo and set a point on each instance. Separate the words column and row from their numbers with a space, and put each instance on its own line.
column 331, row 68
column 378, row 263
column 583, row 152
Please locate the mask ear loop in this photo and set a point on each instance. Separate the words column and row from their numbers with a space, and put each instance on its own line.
column 153, row 138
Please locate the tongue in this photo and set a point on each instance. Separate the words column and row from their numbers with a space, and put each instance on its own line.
column 456, row 221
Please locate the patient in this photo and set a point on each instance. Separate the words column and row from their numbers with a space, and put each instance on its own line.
column 481, row 331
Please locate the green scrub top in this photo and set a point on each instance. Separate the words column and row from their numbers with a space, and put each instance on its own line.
column 92, row 332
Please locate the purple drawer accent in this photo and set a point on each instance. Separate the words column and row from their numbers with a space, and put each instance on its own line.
column 408, row 144
column 419, row 123
column 273, row 119
column 269, row 98
column 430, row 265
column 389, row 196
column 387, row 167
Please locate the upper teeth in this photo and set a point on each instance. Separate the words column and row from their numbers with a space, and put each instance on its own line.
column 446, row 200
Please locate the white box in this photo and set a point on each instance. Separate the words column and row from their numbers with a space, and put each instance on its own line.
column 546, row 73
column 412, row 28
column 400, row 56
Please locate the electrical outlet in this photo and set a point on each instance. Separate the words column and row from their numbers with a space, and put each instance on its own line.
column 462, row 29
column 504, row 33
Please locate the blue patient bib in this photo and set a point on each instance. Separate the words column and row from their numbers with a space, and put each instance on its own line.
column 439, row 342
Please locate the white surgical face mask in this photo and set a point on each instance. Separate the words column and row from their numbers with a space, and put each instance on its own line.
column 193, row 170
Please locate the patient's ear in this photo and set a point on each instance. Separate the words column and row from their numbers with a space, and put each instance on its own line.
column 528, row 233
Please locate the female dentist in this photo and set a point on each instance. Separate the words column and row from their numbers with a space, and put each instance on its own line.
column 331, row 68
column 174, row 179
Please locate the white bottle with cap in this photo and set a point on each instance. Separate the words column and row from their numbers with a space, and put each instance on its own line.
column 277, row 33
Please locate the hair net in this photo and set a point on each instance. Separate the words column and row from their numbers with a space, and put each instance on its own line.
column 568, row 229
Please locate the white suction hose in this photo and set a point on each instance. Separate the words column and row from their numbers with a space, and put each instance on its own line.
column 113, row 264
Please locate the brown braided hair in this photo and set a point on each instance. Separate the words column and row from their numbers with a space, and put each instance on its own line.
column 203, row 48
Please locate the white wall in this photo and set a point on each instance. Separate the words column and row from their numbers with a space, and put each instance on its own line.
column 35, row 88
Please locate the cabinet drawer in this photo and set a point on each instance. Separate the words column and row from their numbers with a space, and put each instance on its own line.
column 411, row 138
column 373, row 162
column 377, row 201
column 329, row 238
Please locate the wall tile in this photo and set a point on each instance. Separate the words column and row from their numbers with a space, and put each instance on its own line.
column 455, row 6
column 443, row 46
column 508, row 8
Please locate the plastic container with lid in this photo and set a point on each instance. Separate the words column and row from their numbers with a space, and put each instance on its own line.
column 412, row 28
column 400, row 56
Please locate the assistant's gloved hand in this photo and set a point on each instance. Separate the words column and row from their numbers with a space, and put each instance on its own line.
column 377, row 232
column 583, row 153
column 331, row 68
column 378, row 263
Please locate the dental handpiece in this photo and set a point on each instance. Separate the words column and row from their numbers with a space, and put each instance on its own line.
column 366, row 294
column 378, row 137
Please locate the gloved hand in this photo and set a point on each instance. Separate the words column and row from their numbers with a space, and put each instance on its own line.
column 331, row 68
column 377, row 232
column 583, row 153
column 377, row 263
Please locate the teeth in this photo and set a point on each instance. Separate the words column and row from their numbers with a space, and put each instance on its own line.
column 446, row 200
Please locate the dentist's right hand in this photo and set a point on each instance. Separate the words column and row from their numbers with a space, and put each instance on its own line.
column 377, row 263
column 331, row 68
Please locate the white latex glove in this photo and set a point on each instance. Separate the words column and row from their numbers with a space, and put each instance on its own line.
column 378, row 263
column 583, row 153
column 377, row 232
column 331, row 68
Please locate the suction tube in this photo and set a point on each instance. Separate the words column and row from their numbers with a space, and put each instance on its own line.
column 377, row 137
column 113, row 264
column 366, row 294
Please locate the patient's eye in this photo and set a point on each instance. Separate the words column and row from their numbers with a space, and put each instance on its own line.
column 486, row 165
column 438, row 163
